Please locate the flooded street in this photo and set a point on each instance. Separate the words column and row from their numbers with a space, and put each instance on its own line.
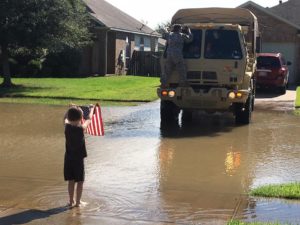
column 141, row 173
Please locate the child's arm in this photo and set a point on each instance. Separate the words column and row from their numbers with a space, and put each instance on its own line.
column 65, row 119
column 89, row 120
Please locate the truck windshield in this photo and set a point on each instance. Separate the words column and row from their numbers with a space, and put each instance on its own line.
column 193, row 50
column 222, row 44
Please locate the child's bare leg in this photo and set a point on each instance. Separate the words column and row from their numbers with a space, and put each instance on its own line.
column 79, row 192
column 71, row 187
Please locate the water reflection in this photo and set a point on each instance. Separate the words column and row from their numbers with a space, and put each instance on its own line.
column 202, row 176
column 189, row 172
column 232, row 162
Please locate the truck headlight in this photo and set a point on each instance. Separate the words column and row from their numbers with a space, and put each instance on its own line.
column 231, row 95
column 172, row 94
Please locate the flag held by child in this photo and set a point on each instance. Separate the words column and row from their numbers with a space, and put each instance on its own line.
column 96, row 127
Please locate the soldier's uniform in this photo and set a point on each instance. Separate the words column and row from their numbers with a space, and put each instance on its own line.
column 175, row 59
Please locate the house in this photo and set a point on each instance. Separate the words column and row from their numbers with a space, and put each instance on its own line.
column 280, row 31
column 117, row 36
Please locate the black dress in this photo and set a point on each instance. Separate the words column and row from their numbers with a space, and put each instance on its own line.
column 75, row 153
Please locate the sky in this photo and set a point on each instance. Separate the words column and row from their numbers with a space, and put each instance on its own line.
column 153, row 12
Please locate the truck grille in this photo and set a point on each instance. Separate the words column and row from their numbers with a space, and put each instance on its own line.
column 205, row 77
column 194, row 75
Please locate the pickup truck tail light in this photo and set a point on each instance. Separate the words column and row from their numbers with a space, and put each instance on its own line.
column 282, row 71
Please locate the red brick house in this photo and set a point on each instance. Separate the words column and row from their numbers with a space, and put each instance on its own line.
column 280, row 31
column 117, row 35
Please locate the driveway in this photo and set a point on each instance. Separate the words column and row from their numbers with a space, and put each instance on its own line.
column 270, row 100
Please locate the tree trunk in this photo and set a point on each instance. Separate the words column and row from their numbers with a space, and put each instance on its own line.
column 6, row 69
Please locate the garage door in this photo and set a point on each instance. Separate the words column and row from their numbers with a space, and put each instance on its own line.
column 289, row 52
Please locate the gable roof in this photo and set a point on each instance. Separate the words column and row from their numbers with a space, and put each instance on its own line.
column 109, row 16
column 289, row 10
column 270, row 12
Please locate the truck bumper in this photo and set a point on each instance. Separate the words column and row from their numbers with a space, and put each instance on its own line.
column 220, row 99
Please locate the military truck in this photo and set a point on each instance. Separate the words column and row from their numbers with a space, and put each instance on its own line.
column 220, row 62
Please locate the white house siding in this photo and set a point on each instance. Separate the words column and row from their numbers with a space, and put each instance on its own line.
column 289, row 51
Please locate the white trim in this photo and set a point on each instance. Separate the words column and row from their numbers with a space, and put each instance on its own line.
column 269, row 12
column 135, row 32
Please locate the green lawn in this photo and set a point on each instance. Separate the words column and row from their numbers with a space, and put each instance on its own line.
column 288, row 191
column 60, row 90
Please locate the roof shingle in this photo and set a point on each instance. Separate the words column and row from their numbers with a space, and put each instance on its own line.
column 289, row 10
column 114, row 18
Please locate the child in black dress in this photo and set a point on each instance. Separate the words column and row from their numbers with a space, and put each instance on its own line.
column 75, row 152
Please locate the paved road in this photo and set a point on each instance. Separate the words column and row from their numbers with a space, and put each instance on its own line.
column 268, row 100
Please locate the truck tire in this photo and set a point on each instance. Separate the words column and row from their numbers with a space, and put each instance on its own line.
column 187, row 116
column 243, row 112
column 168, row 112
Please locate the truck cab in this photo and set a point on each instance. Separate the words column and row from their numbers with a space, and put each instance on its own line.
column 220, row 64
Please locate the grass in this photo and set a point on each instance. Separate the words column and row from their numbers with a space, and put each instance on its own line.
column 297, row 102
column 288, row 191
column 121, row 90
column 52, row 101
column 254, row 223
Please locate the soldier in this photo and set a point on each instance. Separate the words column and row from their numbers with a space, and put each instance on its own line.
column 175, row 43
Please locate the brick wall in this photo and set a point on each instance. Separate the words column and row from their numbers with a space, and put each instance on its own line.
column 272, row 29
column 102, row 56
column 111, row 52
column 121, row 45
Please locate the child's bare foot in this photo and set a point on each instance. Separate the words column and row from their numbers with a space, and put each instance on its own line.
column 81, row 203
column 71, row 204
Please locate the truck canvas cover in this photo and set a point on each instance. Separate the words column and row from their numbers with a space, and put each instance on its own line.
column 239, row 16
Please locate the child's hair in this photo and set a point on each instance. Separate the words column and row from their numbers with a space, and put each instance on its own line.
column 74, row 114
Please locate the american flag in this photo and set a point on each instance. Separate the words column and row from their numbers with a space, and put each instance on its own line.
column 96, row 127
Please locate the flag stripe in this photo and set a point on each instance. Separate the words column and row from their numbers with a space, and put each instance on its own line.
column 96, row 127
column 98, row 120
column 101, row 124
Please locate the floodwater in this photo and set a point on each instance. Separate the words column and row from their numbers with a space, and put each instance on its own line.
column 142, row 173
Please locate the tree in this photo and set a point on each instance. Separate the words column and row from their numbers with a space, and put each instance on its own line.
column 163, row 28
column 50, row 25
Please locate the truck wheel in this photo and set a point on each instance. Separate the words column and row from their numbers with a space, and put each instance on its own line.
column 243, row 113
column 168, row 112
column 187, row 116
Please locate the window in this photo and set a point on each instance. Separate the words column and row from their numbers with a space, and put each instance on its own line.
column 222, row 44
column 193, row 50
column 268, row 62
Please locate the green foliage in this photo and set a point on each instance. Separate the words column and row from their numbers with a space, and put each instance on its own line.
column 288, row 191
column 62, row 64
column 50, row 24
column 31, row 26
column 163, row 28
